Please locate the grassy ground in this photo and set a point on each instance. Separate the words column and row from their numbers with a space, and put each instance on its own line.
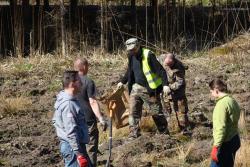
column 27, row 93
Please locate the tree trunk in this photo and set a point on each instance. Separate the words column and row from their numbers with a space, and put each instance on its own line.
column 213, row 18
column 37, row 27
column 102, row 26
column 167, row 29
column 26, row 17
column 13, row 8
column 133, row 17
column 154, row 22
column 38, row 2
column 73, row 25
column 62, row 27
column 46, row 5
column 73, row 11
column 173, row 23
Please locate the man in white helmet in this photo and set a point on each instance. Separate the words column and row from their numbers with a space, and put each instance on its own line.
column 146, row 79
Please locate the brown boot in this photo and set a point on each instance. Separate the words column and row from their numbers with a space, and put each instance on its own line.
column 184, row 123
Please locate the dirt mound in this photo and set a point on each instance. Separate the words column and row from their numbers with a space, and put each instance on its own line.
column 126, row 151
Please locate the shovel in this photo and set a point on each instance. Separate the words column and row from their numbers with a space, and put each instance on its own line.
column 111, row 107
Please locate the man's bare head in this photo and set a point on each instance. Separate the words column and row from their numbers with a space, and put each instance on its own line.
column 169, row 59
column 81, row 65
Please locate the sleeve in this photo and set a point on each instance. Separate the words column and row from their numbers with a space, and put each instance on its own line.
column 91, row 89
column 219, row 124
column 124, row 79
column 179, row 81
column 157, row 68
column 71, row 128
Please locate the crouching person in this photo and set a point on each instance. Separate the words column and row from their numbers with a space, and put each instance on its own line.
column 176, row 98
column 70, row 124
column 226, row 115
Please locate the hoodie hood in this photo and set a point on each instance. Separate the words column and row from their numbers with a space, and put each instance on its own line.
column 63, row 97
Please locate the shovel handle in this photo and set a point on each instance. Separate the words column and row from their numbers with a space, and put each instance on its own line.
column 112, row 106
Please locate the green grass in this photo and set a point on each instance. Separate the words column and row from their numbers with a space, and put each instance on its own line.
column 2, row 162
column 55, row 85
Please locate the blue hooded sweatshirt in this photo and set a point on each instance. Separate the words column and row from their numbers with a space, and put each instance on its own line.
column 69, row 121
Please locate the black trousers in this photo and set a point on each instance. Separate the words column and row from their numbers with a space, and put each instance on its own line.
column 227, row 152
column 92, row 146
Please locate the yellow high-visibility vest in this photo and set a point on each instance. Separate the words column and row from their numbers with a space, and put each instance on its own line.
column 154, row 81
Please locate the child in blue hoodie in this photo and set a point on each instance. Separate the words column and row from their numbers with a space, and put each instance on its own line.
column 70, row 124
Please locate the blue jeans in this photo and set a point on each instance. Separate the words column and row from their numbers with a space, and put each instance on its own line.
column 69, row 157
column 226, row 153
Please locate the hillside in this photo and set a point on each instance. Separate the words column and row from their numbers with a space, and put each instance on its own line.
column 28, row 87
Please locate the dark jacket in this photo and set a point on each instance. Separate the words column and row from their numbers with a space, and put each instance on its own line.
column 156, row 67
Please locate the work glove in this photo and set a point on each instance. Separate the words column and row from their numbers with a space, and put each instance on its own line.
column 214, row 154
column 166, row 90
column 119, row 85
column 104, row 124
column 82, row 161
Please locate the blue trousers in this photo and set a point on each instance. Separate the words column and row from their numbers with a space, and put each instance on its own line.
column 226, row 153
column 69, row 157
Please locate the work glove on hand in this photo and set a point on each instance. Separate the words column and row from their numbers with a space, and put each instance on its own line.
column 119, row 85
column 82, row 161
column 214, row 154
column 104, row 124
column 166, row 90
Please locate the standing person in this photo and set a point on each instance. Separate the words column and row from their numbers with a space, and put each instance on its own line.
column 87, row 98
column 70, row 124
column 177, row 97
column 146, row 78
column 226, row 115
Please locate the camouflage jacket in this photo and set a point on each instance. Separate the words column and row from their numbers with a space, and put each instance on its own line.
column 176, row 79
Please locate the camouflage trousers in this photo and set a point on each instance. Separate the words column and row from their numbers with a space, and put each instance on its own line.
column 139, row 96
column 180, row 109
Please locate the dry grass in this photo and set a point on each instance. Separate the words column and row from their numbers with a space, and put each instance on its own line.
column 145, row 157
column 117, row 134
column 180, row 160
column 56, row 63
column 147, row 124
column 14, row 105
column 243, row 123
column 46, row 67
column 183, row 153
column 243, row 155
column 234, row 54
column 221, row 51
column 238, row 44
